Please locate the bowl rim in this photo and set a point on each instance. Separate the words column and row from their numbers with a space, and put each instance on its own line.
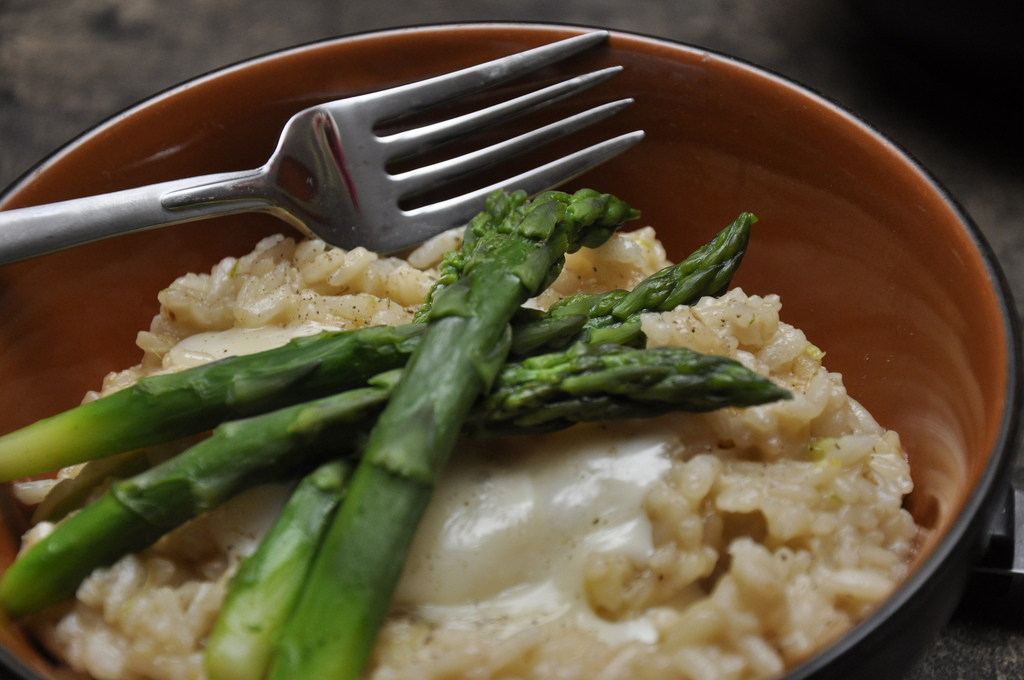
column 975, row 514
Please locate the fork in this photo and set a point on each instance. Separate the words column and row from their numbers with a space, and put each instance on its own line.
column 327, row 176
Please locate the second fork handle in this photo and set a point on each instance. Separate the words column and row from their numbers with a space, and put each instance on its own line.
column 33, row 231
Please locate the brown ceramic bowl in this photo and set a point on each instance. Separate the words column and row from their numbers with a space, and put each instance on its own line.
column 873, row 260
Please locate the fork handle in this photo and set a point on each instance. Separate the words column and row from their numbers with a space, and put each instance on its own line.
column 38, row 230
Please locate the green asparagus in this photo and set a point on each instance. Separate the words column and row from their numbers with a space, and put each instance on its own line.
column 160, row 409
column 543, row 393
column 71, row 493
column 137, row 511
column 502, row 264
column 263, row 591
column 588, row 383
column 614, row 316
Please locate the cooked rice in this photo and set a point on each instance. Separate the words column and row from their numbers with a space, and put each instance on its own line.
column 775, row 529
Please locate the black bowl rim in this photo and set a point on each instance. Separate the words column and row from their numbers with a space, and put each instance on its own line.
column 979, row 508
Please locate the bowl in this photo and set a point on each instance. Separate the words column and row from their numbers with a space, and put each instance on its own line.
column 871, row 257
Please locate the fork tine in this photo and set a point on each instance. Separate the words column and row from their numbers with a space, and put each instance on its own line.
column 412, row 97
column 460, row 209
column 431, row 136
column 430, row 176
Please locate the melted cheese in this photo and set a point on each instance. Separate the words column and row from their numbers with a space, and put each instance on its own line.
column 512, row 522
column 202, row 348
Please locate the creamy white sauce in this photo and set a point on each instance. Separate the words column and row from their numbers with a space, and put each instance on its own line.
column 202, row 348
column 240, row 525
column 512, row 522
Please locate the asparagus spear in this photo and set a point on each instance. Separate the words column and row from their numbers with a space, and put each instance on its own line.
column 160, row 409
column 71, row 493
column 588, row 383
column 263, row 591
column 543, row 393
column 353, row 576
column 137, row 511
column 614, row 316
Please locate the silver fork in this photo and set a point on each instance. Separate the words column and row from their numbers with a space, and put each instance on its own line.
column 327, row 176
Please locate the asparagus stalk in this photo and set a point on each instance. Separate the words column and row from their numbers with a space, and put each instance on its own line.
column 137, row 511
column 71, row 493
column 354, row 574
column 614, row 316
column 544, row 393
column 263, row 591
column 588, row 383
column 160, row 409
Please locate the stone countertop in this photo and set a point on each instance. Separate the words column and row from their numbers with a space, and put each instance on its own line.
column 68, row 64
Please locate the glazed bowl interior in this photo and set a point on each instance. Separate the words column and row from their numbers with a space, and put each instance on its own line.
column 870, row 258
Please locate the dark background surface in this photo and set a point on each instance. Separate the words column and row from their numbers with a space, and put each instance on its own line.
column 940, row 78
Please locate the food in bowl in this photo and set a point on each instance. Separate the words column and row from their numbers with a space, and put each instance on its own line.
column 730, row 543
column 873, row 260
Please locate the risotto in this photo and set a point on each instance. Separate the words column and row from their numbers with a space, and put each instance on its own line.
column 731, row 544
